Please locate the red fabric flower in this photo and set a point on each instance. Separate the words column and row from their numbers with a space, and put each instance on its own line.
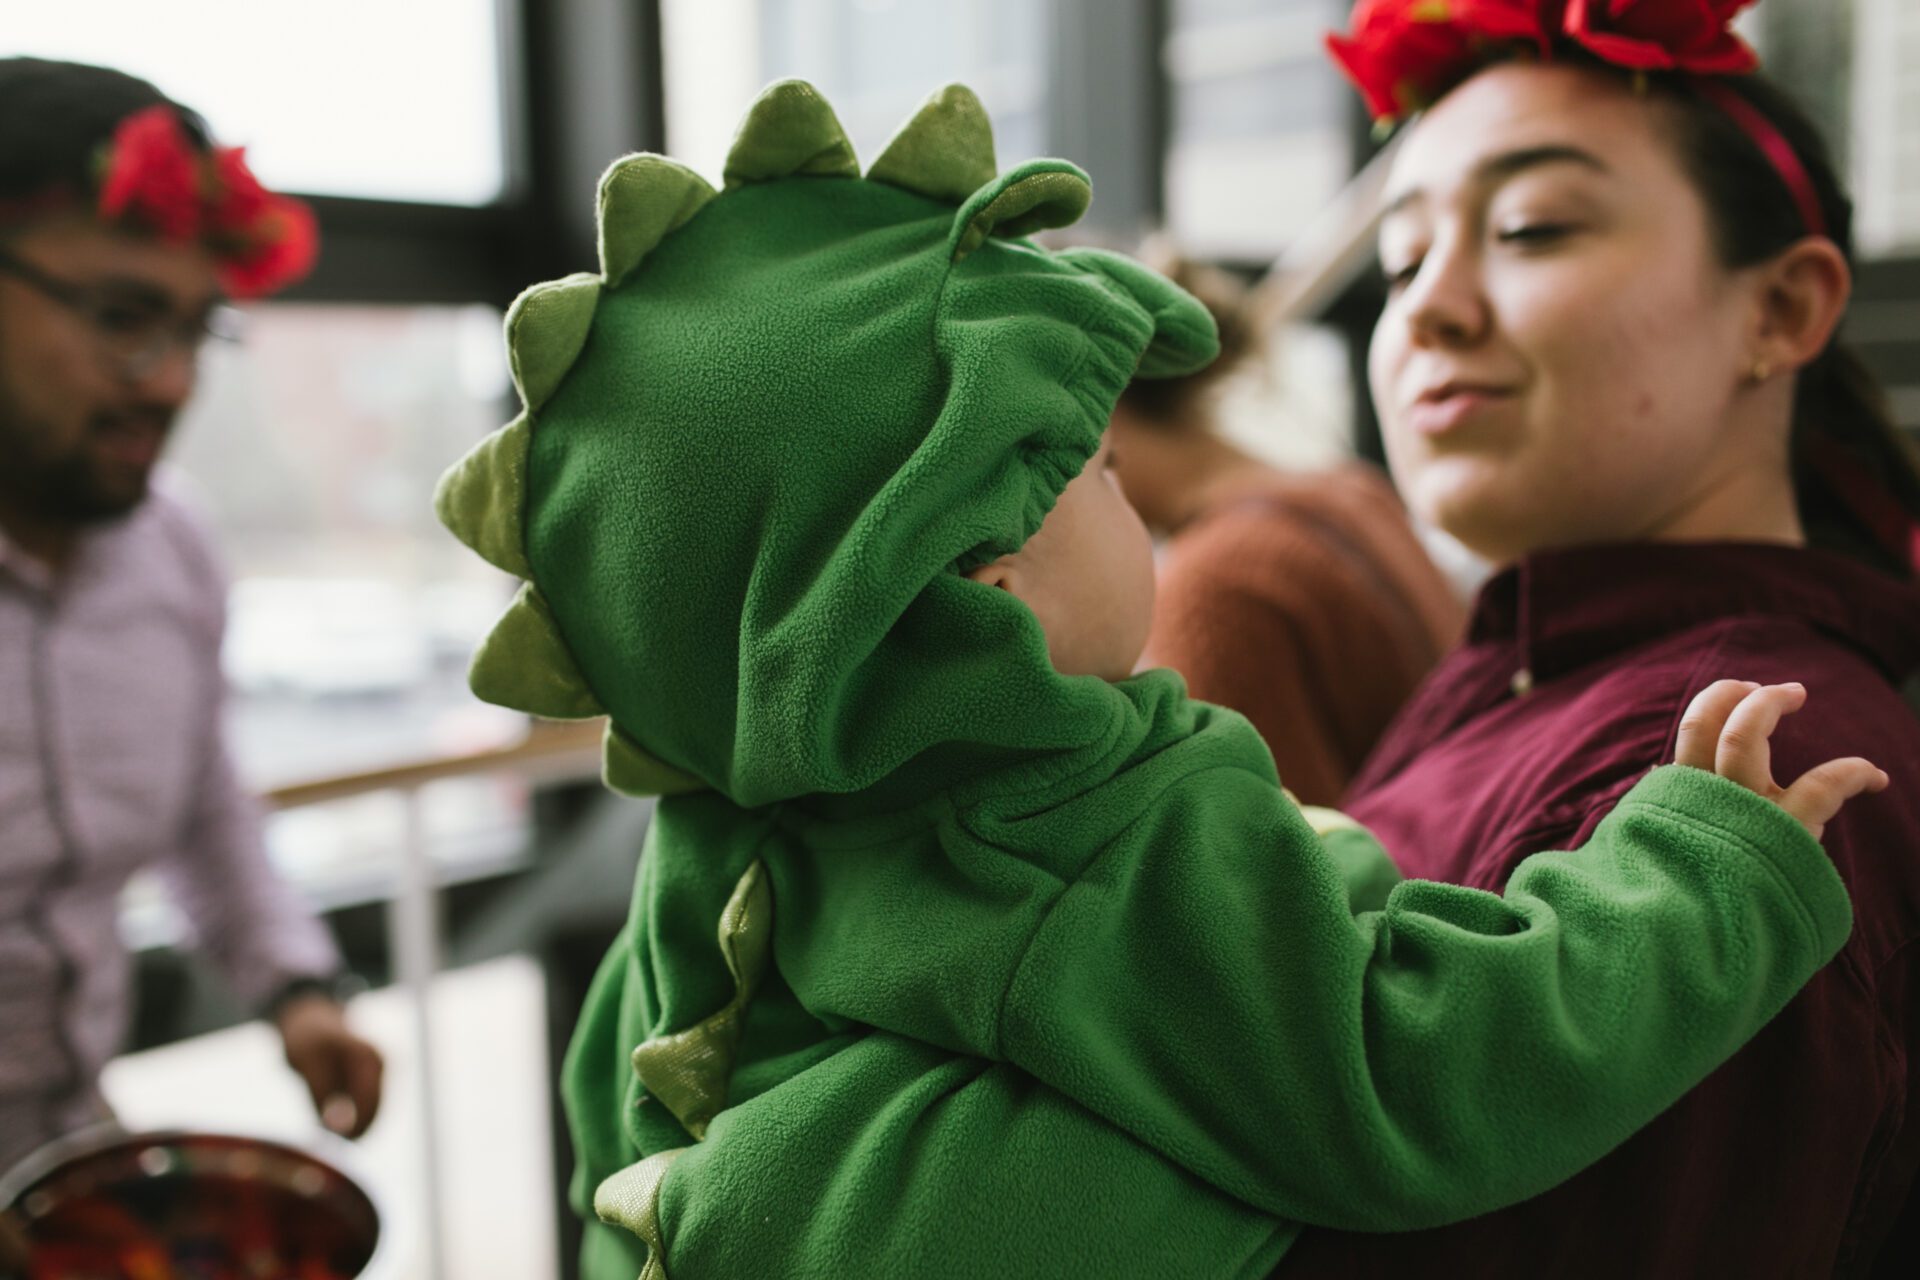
column 282, row 245
column 154, row 175
column 1663, row 35
column 1403, row 54
column 268, row 241
column 240, row 199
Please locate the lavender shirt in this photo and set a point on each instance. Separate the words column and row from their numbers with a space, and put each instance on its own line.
column 112, row 759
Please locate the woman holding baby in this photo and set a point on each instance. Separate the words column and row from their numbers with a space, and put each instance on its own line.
column 1617, row 262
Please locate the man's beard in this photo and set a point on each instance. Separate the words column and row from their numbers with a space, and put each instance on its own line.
column 70, row 487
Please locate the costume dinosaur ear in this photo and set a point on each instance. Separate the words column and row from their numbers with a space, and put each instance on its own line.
column 1037, row 196
column 790, row 131
column 481, row 498
column 643, row 199
column 524, row 664
column 945, row 152
column 546, row 328
column 629, row 769
column 1185, row 338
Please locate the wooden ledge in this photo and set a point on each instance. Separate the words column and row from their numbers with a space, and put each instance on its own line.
column 550, row 750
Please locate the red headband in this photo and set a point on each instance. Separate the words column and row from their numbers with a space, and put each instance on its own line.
column 1773, row 145
column 151, row 173
column 1404, row 54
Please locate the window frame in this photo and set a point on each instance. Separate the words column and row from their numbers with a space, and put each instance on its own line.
column 581, row 83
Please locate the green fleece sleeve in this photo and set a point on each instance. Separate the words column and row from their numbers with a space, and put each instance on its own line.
column 1363, row 865
column 1449, row 1054
column 1205, row 985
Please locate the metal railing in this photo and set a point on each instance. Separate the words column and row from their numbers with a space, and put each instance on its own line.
column 548, row 752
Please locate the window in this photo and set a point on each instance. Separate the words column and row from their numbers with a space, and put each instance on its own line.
column 1261, row 134
column 1886, row 124
column 353, row 97
column 315, row 447
column 874, row 60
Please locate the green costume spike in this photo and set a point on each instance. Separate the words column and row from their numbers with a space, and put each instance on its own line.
column 546, row 328
column 631, row 1199
column 687, row 1071
column 627, row 768
column 524, row 664
column 945, row 152
column 482, row 498
column 1038, row 196
column 789, row 132
column 643, row 199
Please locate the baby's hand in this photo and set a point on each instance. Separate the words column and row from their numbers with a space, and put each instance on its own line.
column 1727, row 730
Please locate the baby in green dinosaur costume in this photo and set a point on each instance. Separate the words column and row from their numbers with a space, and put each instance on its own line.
column 1025, row 965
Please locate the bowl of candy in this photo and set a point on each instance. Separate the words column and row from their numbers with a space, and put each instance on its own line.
column 176, row 1205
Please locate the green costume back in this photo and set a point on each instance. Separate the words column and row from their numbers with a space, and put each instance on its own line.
column 1015, row 973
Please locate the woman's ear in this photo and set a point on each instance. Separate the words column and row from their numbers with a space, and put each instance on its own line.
column 1804, row 294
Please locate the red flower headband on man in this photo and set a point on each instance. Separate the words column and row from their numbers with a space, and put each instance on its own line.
column 151, row 174
column 1403, row 55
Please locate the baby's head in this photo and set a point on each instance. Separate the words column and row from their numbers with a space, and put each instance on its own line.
column 808, row 491
column 1087, row 575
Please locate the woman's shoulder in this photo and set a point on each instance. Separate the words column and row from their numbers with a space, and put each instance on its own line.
column 1556, row 727
column 1855, row 704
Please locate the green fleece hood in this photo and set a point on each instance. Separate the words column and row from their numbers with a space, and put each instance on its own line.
column 762, row 444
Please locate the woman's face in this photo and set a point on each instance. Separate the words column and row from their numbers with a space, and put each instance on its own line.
column 1561, row 354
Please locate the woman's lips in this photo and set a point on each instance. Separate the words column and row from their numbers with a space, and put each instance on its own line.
column 1442, row 413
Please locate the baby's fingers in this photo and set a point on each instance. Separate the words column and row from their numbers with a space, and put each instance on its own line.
column 1818, row 794
column 1699, row 738
column 1745, row 754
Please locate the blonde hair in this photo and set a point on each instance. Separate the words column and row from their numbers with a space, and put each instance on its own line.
column 1186, row 404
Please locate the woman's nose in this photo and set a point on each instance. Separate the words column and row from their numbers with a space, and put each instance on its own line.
column 1444, row 304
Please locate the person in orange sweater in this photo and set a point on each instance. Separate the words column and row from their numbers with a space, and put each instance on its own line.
column 1302, row 600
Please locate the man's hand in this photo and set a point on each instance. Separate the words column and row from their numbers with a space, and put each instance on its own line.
column 1728, row 730
column 342, row 1071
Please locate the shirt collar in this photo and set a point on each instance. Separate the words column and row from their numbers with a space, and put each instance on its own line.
column 34, row 572
column 1567, row 608
column 94, row 546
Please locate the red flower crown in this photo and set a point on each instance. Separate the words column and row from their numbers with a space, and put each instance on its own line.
column 151, row 173
column 1403, row 55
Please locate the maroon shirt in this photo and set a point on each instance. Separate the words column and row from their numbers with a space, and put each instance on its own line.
column 1798, row 1156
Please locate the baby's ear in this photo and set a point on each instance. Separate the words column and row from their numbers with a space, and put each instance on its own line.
column 1002, row 574
column 1185, row 337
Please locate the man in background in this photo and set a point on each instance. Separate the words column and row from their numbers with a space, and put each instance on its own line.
column 123, row 231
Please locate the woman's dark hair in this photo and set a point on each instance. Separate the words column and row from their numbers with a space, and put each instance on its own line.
column 54, row 116
column 1849, row 456
column 1178, row 404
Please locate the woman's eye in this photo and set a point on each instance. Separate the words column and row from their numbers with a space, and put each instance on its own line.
column 1529, row 233
column 1399, row 278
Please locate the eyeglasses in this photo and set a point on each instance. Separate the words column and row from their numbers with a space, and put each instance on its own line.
column 136, row 332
